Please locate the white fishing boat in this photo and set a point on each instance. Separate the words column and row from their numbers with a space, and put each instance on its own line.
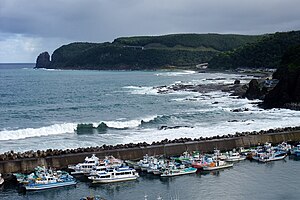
column 218, row 164
column 115, row 175
column 145, row 163
column 1, row 180
column 234, row 156
column 273, row 156
column 169, row 172
column 85, row 167
column 218, row 155
column 49, row 182
column 256, row 155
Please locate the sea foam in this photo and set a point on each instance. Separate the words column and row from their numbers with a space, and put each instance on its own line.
column 37, row 132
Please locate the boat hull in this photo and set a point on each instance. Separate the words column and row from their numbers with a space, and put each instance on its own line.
column 191, row 171
column 235, row 159
column 217, row 167
column 272, row 159
column 113, row 180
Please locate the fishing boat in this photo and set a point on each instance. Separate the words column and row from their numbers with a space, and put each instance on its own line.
column 258, row 154
column 85, row 167
column 187, row 158
column 272, row 156
column 142, row 164
column 156, row 165
column 39, row 172
column 1, row 180
column 234, row 156
column 169, row 172
column 115, row 175
column 296, row 150
column 218, row 164
column 50, row 181
column 204, row 161
column 245, row 152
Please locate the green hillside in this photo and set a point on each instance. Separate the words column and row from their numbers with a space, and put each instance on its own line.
column 266, row 53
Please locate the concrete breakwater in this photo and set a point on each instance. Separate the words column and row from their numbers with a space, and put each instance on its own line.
column 11, row 162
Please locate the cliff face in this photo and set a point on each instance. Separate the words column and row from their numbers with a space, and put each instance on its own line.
column 287, row 92
column 43, row 60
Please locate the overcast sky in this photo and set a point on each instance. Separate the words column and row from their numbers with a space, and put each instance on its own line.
column 28, row 27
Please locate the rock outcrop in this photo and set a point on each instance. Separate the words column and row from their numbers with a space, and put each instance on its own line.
column 43, row 60
column 286, row 93
column 256, row 90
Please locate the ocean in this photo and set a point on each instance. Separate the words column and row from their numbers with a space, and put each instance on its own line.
column 41, row 108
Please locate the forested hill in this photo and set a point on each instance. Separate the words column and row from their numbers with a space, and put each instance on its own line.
column 266, row 53
column 145, row 52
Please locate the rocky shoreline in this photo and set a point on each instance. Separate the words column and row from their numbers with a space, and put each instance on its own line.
column 11, row 155
column 255, row 89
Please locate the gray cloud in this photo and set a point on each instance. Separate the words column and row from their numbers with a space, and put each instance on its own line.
column 103, row 20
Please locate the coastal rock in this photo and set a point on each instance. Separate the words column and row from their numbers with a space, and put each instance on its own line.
column 43, row 60
column 236, row 82
column 287, row 92
column 239, row 90
column 254, row 91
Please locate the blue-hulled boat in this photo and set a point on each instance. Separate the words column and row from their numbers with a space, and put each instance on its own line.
column 50, row 181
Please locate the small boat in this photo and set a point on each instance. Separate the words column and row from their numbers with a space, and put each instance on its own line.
column 85, row 167
column 296, row 150
column 278, row 155
column 1, row 180
column 115, row 175
column 244, row 151
column 50, row 179
column 283, row 147
column 258, row 154
column 169, row 172
column 219, row 164
column 39, row 172
column 234, row 156
column 204, row 161
column 49, row 182
column 186, row 157
column 143, row 164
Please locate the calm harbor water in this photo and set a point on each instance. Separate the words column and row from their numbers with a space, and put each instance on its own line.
column 246, row 180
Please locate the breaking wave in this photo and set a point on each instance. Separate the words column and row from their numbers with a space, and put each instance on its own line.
column 119, row 124
column 37, row 132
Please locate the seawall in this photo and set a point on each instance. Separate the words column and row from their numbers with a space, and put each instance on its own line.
column 26, row 165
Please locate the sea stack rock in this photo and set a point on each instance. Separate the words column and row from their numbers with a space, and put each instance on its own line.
column 254, row 91
column 43, row 60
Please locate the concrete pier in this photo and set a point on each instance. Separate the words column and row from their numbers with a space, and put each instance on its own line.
column 26, row 165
